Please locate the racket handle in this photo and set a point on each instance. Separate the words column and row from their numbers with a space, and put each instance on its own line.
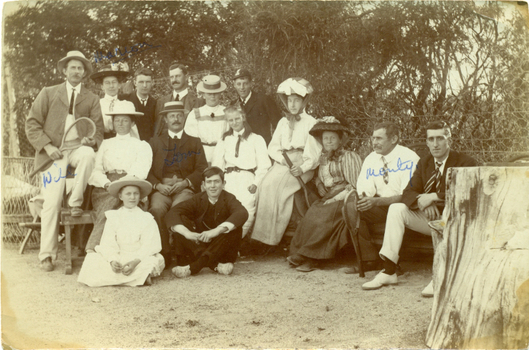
column 42, row 166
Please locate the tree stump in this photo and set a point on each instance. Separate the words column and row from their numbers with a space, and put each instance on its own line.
column 481, row 264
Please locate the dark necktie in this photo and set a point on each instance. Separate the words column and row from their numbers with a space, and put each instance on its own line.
column 237, row 145
column 70, row 110
column 435, row 179
column 144, row 102
column 242, row 102
column 386, row 171
column 177, row 98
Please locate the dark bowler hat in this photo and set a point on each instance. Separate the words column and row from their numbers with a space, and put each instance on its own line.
column 174, row 106
column 119, row 70
column 327, row 124
column 242, row 73
column 75, row 55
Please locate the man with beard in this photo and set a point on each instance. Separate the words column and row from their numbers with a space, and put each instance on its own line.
column 181, row 92
column 176, row 173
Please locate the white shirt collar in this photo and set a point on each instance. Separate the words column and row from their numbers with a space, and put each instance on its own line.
column 69, row 88
column 391, row 155
column 181, row 94
column 213, row 201
column 235, row 133
column 110, row 98
column 141, row 99
column 178, row 134
column 248, row 97
column 126, row 136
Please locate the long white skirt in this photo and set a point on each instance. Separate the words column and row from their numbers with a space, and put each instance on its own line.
column 237, row 183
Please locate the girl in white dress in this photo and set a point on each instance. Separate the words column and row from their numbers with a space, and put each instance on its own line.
column 128, row 253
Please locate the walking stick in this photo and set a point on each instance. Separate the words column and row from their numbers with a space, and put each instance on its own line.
column 290, row 164
column 352, row 221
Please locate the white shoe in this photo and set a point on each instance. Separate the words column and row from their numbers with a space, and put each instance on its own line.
column 224, row 269
column 181, row 271
column 428, row 291
column 381, row 279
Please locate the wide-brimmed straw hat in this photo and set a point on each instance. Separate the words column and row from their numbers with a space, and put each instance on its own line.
column 129, row 180
column 119, row 70
column 327, row 124
column 75, row 55
column 174, row 106
column 124, row 108
column 211, row 84
column 295, row 86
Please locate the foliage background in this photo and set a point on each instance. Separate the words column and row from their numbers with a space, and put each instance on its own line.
column 410, row 62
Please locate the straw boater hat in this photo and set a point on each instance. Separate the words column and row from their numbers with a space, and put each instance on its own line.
column 297, row 86
column 75, row 55
column 327, row 124
column 119, row 70
column 124, row 108
column 129, row 180
column 174, row 106
column 211, row 84
column 242, row 73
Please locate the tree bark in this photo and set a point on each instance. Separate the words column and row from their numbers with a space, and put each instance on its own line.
column 481, row 264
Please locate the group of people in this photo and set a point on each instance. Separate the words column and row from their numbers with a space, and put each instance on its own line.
column 180, row 181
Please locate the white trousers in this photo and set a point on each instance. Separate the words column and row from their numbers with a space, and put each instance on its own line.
column 399, row 217
column 83, row 159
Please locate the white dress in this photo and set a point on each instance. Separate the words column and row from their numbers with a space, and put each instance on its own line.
column 129, row 234
column 252, row 155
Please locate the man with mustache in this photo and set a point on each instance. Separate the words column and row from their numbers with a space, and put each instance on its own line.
column 179, row 78
column 52, row 113
column 176, row 173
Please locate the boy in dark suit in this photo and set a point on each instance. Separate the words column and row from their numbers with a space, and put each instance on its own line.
column 422, row 201
column 144, row 103
column 208, row 228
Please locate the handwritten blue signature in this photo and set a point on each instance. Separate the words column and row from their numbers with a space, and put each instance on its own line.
column 47, row 179
column 178, row 157
column 116, row 53
column 401, row 166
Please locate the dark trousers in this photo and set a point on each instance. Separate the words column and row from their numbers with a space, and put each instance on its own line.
column 221, row 249
column 372, row 216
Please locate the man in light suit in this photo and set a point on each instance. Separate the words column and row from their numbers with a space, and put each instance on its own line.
column 181, row 92
column 422, row 201
column 53, row 111
column 144, row 103
column 262, row 113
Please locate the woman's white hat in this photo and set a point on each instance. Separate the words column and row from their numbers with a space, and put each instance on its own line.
column 129, row 180
column 211, row 84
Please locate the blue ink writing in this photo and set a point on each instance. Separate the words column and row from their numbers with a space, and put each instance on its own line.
column 178, row 157
column 48, row 179
column 123, row 54
column 401, row 166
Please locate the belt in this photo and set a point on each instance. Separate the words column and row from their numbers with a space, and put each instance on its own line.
column 213, row 144
column 117, row 171
column 292, row 149
column 237, row 169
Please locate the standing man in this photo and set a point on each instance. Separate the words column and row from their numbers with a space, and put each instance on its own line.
column 181, row 92
column 422, row 201
column 208, row 228
column 54, row 110
column 110, row 77
column 176, row 173
column 262, row 113
column 208, row 122
column 385, row 173
column 144, row 103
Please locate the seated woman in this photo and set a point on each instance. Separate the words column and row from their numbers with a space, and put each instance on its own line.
column 118, row 156
column 242, row 155
column 322, row 231
column 291, row 139
column 129, row 250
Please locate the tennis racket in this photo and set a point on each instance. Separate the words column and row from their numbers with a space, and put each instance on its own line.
column 84, row 126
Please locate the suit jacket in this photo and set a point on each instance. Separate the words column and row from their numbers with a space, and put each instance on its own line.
column 262, row 114
column 191, row 166
column 425, row 169
column 146, row 122
column 190, row 101
column 228, row 208
column 47, row 116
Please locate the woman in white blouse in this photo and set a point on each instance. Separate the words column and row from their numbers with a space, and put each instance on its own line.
column 276, row 193
column 242, row 155
column 118, row 156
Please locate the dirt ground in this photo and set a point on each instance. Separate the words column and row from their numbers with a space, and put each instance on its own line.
column 263, row 304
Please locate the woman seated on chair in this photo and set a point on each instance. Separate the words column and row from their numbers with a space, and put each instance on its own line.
column 130, row 245
column 118, row 156
column 291, row 139
column 322, row 232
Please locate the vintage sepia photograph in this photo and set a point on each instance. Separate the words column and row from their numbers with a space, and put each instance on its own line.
column 265, row 174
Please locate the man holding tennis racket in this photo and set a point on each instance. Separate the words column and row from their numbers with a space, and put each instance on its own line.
column 64, row 125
